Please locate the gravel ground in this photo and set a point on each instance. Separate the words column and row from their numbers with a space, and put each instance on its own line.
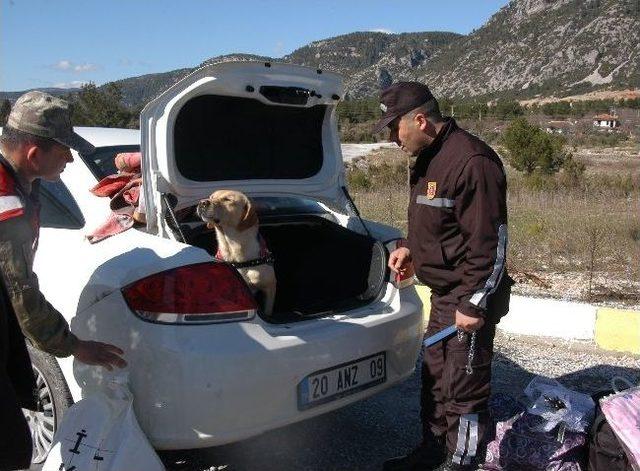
column 577, row 364
column 363, row 435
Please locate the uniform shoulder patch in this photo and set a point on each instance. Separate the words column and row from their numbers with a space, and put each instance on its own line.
column 431, row 190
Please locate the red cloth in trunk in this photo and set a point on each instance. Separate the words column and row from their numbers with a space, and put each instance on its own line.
column 112, row 184
column 115, row 224
column 124, row 190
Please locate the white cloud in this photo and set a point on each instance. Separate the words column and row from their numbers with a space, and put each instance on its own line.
column 68, row 66
column 72, row 84
column 84, row 67
column 382, row 30
column 62, row 65
column 279, row 48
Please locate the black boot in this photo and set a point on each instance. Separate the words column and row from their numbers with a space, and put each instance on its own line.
column 450, row 465
column 428, row 456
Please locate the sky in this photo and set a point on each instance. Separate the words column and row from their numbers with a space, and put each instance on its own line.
column 64, row 43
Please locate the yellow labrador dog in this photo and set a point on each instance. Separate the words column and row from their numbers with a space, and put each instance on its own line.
column 235, row 221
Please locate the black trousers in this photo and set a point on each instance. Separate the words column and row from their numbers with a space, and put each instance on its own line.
column 17, row 386
column 15, row 437
column 454, row 403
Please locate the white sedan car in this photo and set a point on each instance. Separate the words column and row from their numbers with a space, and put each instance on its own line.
column 205, row 367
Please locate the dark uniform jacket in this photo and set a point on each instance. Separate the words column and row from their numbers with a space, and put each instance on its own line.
column 458, row 219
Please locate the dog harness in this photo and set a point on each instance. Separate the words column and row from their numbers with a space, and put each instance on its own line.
column 266, row 257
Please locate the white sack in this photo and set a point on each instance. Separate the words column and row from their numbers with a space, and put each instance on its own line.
column 101, row 433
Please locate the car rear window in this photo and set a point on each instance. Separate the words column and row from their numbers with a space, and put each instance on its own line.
column 231, row 138
column 101, row 162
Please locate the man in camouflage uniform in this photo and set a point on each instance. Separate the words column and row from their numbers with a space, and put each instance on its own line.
column 35, row 144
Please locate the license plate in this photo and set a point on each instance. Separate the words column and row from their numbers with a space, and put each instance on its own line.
column 342, row 380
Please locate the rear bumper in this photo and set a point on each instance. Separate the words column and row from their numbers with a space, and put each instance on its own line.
column 207, row 385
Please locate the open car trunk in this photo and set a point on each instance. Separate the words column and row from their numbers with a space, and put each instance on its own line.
column 264, row 129
column 321, row 267
column 255, row 127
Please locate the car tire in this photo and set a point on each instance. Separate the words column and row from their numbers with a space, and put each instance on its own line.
column 54, row 399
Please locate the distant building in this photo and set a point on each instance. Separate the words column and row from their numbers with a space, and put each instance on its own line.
column 606, row 121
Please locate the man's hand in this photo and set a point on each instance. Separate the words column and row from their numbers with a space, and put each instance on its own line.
column 400, row 260
column 98, row 353
column 468, row 323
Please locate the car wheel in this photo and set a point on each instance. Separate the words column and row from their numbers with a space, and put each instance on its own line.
column 54, row 399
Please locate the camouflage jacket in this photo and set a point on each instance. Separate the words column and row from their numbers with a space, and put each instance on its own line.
column 19, row 230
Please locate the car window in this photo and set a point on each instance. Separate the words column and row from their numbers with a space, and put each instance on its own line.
column 101, row 161
column 58, row 209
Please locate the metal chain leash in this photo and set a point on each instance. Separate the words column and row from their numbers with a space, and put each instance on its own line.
column 472, row 349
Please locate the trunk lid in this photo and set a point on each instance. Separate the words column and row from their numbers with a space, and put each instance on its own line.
column 260, row 128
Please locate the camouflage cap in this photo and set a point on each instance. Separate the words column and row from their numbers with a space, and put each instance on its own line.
column 43, row 115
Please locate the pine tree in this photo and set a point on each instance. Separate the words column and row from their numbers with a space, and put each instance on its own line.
column 531, row 149
column 101, row 107
column 5, row 109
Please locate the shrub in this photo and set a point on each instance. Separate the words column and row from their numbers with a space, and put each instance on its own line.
column 384, row 175
column 505, row 109
column 539, row 181
column 357, row 179
column 531, row 149
column 572, row 172
column 558, row 109
column 358, row 132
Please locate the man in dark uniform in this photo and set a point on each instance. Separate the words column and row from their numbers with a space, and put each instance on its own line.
column 457, row 241
column 35, row 144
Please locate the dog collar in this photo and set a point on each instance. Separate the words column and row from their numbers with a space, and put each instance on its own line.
column 268, row 260
column 266, row 257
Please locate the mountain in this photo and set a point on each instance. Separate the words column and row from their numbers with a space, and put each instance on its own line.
column 364, row 59
column 137, row 91
column 528, row 48
column 543, row 47
column 369, row 60
column 13, row 96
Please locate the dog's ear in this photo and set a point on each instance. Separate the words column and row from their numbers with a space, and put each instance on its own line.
column 249, row 219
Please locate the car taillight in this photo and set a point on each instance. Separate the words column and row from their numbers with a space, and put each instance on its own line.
column 207, row 292
column 405, row 279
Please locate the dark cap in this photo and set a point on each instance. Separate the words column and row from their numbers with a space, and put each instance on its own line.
column 43, row 115
column 399, row 99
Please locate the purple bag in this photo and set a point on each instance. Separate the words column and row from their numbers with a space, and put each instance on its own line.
column 519, row 445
